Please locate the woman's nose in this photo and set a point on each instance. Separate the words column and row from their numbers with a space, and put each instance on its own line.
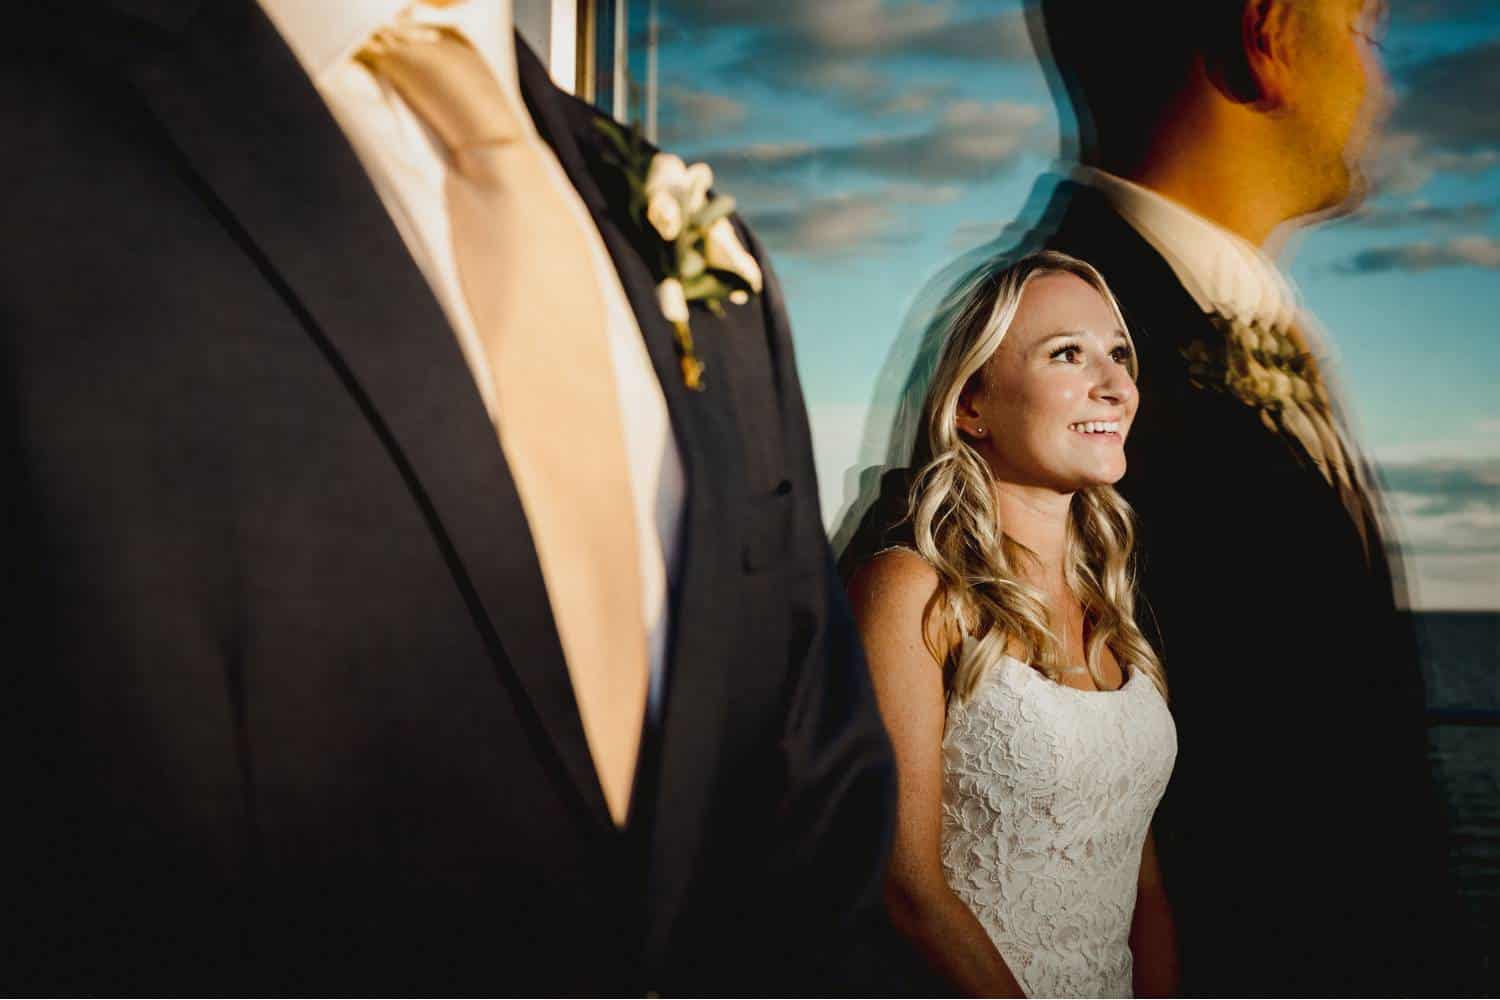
column 1114, row 385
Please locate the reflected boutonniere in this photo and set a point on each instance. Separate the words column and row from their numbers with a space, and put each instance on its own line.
column 699, row 257
column 1261, row 367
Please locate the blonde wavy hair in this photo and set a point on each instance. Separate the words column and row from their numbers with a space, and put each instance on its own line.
column 951, row 508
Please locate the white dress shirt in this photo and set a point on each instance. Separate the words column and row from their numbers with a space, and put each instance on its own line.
column 1223, row 272
column 407, row 165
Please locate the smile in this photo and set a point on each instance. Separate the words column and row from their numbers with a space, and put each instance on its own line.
column 1103, row 427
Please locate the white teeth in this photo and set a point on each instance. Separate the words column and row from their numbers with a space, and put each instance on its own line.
column 1097, row 427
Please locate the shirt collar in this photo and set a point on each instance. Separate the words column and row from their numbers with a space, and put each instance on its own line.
column 1223, row 272
column 323, row 34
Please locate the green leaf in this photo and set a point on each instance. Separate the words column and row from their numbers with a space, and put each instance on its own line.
column 715, row 210
column 704, row 287
column 690, row 262
column 615, row 136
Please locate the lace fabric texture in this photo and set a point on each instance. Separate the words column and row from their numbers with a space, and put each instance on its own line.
column 1048, row 793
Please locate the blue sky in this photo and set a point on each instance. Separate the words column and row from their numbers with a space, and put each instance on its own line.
column 870, row 142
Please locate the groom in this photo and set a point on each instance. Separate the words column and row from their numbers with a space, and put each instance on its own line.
column 1299, row 837
column 398, row 597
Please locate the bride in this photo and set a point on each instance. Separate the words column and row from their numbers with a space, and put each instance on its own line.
column 1027, row 710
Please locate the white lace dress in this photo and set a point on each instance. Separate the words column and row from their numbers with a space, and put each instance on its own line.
column 1048, row 792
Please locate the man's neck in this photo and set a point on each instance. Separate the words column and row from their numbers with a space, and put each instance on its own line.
column 1244, row 209
column 1216, row 159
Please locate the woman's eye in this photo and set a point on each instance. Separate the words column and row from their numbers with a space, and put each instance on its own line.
column 1068, row 353
column 1121, row 355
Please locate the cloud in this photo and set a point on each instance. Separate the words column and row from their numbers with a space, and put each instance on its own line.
column 827, row 227
column 866, row 27
column 874, row 27
column 1421, row 213
column 1445, row 506
column 1447, row 528
column 1479, row 442
column 973, row 234
column 915, row 100
column 1447, row 99
column 1405, row 161
column 1462, row 251
column 1442, row 121
column 689, row 113
column 971, row 140
column 1453, row 582
column 836, row 48
column 862, row 26
column 1426, row 11
column 715, row 13
column 845, row 224
column 1446, row 486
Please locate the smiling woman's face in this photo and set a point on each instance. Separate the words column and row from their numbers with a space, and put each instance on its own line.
column 1053, row 405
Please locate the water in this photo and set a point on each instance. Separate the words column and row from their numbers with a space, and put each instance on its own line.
column 1461, row 663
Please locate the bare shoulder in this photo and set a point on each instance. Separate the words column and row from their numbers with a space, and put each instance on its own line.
column 890, row 595
column 896, row 582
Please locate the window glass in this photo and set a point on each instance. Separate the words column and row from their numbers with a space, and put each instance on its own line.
column 872, row 142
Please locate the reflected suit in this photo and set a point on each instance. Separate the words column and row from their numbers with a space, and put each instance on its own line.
column 1300, row 837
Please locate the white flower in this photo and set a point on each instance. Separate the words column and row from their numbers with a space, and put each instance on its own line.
column 675, row 192
column 724, row 252
column 700, row 177
column 666, row 173
column 673, row 301
column 666, row 179
column 664, row 212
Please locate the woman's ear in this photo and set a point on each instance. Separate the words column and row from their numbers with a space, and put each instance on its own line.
column 967, row 419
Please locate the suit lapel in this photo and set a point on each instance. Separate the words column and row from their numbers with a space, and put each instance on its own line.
column 703, row 426
column 276, row 167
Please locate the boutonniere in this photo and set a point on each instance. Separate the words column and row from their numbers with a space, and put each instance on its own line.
column 1261, row 367
column 697, row 256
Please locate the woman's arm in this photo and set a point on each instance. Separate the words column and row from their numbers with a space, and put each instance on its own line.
column 1153, row 936
column 889, row 595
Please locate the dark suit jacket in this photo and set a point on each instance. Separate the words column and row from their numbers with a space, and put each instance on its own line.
column 284, row 706
column 1299, row 837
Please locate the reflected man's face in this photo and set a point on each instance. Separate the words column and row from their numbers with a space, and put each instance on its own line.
column 1342, row 95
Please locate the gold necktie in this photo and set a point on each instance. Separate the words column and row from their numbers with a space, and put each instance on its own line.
column 528, row 275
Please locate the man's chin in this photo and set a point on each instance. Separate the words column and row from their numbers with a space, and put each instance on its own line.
column 1356, row 189
column 1345, row 193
